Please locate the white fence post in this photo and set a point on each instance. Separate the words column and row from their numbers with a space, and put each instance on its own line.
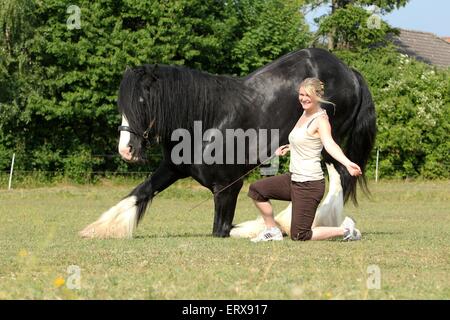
column 11, row 172
column 376, row 165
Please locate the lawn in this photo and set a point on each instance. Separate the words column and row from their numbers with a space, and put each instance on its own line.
column 404, row 253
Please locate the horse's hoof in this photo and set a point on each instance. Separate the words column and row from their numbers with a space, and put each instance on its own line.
column 221, row 234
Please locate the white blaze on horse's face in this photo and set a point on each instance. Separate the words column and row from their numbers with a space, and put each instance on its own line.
column 124, row 148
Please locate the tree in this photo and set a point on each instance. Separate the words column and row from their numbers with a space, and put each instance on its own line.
column 17, row 21
column 349, row 25
column 61, row 112
column 268, row 29
column 412, row 102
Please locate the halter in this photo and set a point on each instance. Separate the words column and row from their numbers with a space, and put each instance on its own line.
column 144, row 135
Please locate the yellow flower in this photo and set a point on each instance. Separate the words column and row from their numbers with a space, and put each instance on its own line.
column 23, row 253
column 59, row 282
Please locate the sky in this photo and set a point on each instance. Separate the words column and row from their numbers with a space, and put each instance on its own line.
column 419, row 15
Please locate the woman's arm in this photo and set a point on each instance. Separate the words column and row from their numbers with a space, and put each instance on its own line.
column 333, row 149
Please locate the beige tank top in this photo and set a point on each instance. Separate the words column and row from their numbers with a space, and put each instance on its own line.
column 305, row 154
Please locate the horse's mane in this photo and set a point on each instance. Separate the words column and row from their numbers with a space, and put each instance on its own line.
column 176, row 96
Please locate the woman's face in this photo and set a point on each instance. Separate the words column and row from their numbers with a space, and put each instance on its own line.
column 307, row 101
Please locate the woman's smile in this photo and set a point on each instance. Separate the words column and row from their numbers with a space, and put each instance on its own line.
column 306, row 101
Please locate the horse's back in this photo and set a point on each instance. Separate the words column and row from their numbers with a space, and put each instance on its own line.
column 287, row 72
column 292, row 60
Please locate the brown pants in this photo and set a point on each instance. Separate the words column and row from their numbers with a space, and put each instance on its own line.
column 305, row 197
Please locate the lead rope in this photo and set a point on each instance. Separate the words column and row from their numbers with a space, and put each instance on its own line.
column 226, row 187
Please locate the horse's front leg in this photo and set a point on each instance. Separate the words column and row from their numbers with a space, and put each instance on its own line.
column 121, row 220
column 224, row 208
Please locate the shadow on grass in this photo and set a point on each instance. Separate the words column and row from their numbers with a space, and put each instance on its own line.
column 170, row 235
column 208, row 235
column 379, row 233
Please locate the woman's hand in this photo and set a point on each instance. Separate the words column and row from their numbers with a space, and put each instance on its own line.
column 353, row 169
column 281, row 151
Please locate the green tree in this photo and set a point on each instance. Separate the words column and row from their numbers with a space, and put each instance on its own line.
column 413, row 112
column 17, row 21
column 60, row 112
column 268, row 29
column 349, row 25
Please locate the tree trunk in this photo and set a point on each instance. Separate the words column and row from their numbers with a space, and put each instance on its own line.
column 332, row 34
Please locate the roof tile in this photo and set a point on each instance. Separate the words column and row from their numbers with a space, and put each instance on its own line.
column 424, row 46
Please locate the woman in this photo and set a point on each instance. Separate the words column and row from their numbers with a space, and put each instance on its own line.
column 305, row 184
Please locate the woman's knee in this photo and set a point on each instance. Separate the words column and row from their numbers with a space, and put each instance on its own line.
column 303, row 235
column 253, row 187
column 255, row 193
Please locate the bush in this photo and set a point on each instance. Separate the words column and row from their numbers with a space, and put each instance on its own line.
column 79, row 166
column 413, row 112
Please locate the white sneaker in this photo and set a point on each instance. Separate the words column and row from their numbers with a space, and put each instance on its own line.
column 269, row 234
column 351, row 233
column 348, row 223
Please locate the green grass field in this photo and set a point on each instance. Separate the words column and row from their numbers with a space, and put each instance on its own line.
column 405, row 227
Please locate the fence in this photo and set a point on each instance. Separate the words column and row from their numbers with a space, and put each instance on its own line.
column 18, row 177
column 13, row 177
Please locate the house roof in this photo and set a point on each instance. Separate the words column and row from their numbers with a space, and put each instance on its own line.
column 424, row 46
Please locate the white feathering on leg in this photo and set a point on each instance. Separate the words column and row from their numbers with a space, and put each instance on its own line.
column 119, row 221
column 284, row 219
column 248, row 229
column 329, row 213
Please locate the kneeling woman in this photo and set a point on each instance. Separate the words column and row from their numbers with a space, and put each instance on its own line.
column 304, row 185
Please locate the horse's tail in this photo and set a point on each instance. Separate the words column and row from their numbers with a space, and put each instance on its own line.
column 360, row 141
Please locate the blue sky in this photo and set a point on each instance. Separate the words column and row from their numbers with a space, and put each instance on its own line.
column 420, row 15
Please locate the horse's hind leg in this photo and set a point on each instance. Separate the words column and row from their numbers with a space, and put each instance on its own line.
column 121, row 220
column 224, row 206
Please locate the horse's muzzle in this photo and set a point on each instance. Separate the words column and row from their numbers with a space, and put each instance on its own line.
column 130, row 156
column 125, row 153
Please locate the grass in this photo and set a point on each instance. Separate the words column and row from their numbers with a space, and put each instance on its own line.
column 405, row 226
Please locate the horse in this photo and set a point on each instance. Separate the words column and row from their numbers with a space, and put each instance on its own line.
column 157, row 100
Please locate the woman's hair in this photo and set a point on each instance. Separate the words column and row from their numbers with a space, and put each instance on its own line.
column 314, row 86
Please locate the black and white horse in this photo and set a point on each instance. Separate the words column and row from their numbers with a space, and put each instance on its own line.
column 157, row 100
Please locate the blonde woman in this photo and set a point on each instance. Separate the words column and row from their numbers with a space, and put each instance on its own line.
column 304, row 185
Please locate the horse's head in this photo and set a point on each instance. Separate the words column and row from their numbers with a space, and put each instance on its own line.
column 137, row 130
column 131, row 144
